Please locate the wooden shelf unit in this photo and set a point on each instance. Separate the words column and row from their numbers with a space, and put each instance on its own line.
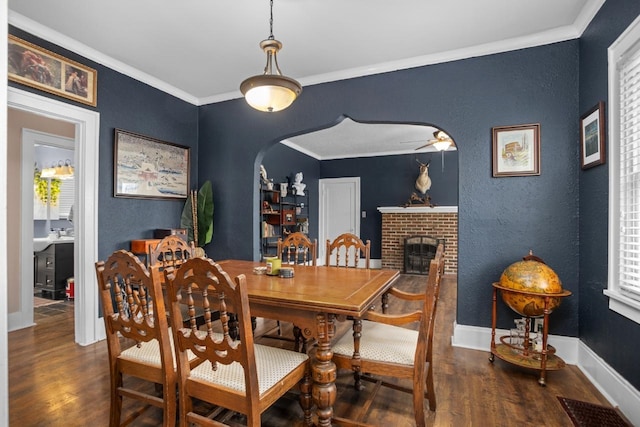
column 280, row 216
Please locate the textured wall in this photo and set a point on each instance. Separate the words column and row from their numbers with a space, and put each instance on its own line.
column 609, row 334
column 500, row 219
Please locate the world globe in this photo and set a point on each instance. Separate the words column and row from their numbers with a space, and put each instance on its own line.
column 533, row 276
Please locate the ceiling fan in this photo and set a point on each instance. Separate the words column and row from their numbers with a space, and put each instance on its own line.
column 441, row 141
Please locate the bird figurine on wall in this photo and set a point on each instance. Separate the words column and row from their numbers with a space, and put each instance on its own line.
column 423, row 183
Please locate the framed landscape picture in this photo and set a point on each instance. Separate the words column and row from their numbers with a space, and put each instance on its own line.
column 592, row 137
column 34, row 66
column 516, row 150
column 148, row 168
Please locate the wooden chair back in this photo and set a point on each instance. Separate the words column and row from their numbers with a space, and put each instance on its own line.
column 297, row 248
column 171, row 251
column 375, row 347
column 346, row 250
column 234, row 374
column 134, row 309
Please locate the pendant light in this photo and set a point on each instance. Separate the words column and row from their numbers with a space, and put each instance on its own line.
column 270, row 91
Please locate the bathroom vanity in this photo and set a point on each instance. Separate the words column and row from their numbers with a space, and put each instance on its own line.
column 53, row 265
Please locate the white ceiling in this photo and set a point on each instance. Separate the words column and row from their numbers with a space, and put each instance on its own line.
column 200, row 50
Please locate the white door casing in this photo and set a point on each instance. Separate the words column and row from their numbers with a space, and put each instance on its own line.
column 89, row 327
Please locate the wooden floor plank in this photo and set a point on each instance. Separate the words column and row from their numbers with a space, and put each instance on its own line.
column 55, row 382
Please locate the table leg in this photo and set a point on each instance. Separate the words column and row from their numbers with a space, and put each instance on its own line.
column 324, row 370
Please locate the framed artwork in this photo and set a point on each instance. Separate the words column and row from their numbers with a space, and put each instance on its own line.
column 516, row 150
column 592, row 137
column 34, row 66
column 148, row 168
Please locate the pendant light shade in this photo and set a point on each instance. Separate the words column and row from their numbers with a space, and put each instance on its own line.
column 270, row 91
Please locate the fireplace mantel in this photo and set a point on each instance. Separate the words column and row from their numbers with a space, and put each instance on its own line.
column 417, row 209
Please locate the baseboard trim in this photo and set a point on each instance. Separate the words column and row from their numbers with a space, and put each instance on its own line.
column 618, row 391
column 478, row 338
column 615, row 388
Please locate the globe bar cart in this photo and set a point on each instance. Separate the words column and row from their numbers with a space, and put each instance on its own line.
column 533, row 290
column 525, row 355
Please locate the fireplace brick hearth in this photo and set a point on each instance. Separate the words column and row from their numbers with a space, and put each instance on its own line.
column 399, row 223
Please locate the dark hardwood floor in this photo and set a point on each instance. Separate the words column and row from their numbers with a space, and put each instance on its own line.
column 55, row 382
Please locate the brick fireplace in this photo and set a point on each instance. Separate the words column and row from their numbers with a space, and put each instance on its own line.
column 399, row 223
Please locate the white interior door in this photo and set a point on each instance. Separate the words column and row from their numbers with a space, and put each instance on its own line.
column 339, row 209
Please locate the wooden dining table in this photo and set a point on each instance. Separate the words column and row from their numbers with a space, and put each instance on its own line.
column 314, row 299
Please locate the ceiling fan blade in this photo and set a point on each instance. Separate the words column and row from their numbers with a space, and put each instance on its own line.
column 411, row 142
column 433, row 141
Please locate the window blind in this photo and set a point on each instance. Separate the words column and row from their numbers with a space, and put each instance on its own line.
column 66, row 197
column 629, row 178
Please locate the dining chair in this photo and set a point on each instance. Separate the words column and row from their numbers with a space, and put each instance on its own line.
column 234, row 374
column 134, row 309
column 381, row 347
column 297, row 248
column 171, row 251
column 348, row 250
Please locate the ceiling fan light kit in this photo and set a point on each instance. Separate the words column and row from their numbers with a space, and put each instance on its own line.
column 270, row 91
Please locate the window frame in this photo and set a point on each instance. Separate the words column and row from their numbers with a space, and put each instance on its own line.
column 629, row 40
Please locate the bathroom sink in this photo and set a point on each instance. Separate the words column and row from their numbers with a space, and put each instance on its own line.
column 41, row 243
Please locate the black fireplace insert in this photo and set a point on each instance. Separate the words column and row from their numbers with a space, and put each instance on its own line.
column 418, row 253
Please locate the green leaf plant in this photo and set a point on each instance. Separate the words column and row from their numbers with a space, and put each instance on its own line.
column 42, row 191
column 200, row 230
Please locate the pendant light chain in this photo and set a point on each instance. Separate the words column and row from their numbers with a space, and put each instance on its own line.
column 271, row 23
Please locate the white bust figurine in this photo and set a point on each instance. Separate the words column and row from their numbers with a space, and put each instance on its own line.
column 298, row 185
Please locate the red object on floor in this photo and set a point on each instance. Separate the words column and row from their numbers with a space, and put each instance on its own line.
column 70, row 288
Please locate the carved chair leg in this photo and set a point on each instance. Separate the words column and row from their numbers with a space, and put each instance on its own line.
column 385, row 302
column 306, row 400
column 355, row 359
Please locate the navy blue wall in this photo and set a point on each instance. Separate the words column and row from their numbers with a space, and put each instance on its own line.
column 500, row 218
column 127, row 104
column 390, row 180
column 612, row 336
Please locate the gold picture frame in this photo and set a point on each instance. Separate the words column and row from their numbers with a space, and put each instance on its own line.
column 39, row 68
column 516, row 150
column 592, row 137
column 148, row 168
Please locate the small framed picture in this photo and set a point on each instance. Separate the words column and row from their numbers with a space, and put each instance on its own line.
column 516, row 150
column 592, row 137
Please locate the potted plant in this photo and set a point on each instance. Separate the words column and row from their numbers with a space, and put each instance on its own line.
column 197, row 217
